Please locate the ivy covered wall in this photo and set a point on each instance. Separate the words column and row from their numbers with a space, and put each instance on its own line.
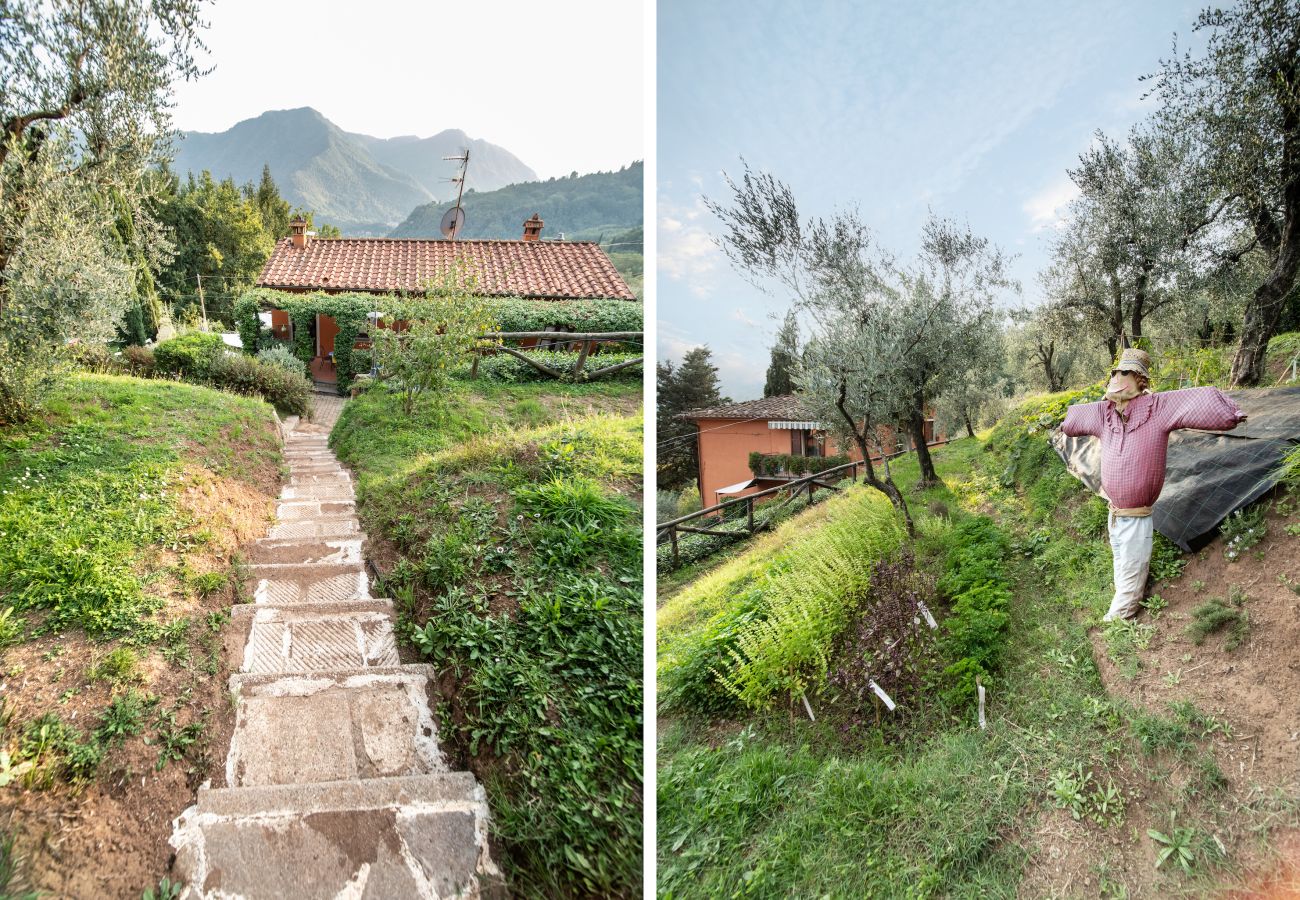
column 350, row 312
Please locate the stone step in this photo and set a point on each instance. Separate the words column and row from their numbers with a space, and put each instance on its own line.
column 291, row 510
column 317, row 492
column 323, row 527
column 290, row 585
column 317, row 468
column 320, row 637
column 417, row 836
column 323, row 476
column 332, row 726
column 303, row 551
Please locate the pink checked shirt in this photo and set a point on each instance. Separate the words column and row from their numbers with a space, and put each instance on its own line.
column 1133, row 452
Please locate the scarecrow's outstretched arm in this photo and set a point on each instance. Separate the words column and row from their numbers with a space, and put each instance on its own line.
column 1202, row 407
column 1082, row 419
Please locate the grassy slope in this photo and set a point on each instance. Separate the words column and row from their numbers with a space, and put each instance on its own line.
column 774, row 803
column 507, row 526
column 121, row 511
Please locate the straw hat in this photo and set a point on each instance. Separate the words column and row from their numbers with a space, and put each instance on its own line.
column 1131, row 359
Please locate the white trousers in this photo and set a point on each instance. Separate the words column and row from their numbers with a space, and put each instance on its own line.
column 1130, row 543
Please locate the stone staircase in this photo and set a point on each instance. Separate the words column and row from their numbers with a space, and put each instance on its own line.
column 335, row 785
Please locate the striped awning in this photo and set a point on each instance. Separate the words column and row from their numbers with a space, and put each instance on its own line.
column 796, row 426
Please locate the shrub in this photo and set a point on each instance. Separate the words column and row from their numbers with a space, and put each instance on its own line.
column 280, row 355
column 138, row 361
column 289, row 393
column 510, row 370
column 191, row 355
column 95, row 358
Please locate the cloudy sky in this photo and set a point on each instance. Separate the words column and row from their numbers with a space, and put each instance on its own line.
column 557, row 84
column 972, row 109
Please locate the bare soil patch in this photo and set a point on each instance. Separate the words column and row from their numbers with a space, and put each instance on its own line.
column 1251, row 689
column 109, row 838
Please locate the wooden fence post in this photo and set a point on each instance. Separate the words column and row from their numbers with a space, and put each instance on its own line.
column 582, row 360
column 473, row 369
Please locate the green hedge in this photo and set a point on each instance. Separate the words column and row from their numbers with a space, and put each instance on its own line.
column 203, row 358
column 350, row 312
column 190, row 355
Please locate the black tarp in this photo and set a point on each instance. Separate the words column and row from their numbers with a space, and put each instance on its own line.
column 1210, row 474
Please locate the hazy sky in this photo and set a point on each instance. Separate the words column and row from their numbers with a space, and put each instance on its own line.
column 972, row 109
column 557, row 84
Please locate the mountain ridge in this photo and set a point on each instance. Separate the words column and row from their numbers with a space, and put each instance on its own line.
column 362, row 184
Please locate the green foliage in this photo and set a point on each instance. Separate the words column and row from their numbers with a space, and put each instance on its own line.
column 166, row 890
column 190, row 355
column 776, row 642
column 502, row 367
column 1040, row 414
column 286, row 390
column 84, row 498
column 424, row 340
column 118, row 667
column 219, row 235
column 579, row 316
column 690, row 385
column 1179, row 844
column 1217, row 614
column 58, row 752
column 519, row 571
column 976, row 626
column 282, row 356
column 1242, row 530
column 787, row 463
column 593, row 204
column 124, row 717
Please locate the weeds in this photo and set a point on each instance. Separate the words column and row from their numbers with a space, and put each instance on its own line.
column 1216, row 614
column 1177, row 844
column 1242, row 530
column 118, row 667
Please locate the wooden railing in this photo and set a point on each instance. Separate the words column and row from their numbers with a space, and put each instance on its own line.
column 586, row 339
column 668, row 531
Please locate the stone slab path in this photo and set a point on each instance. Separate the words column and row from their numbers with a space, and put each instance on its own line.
column 335, row 784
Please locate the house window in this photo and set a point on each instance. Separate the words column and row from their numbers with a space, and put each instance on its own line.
column 806, row 442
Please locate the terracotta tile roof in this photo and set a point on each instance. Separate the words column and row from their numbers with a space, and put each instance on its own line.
column 536, row 269
column 787, row 407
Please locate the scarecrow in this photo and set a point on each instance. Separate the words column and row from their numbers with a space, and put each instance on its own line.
column 1133, row 425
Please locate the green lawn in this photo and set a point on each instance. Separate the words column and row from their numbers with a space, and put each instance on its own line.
column 508, row 527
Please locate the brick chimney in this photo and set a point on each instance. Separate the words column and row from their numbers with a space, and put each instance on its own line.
column 533, row 228
column 298, row 231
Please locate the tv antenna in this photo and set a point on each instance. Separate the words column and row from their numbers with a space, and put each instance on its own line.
column 453, row 221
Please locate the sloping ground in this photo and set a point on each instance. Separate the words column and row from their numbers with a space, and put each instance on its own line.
column 121, row 517
column 505, row 524
column 1083, row 779
column 334, row 782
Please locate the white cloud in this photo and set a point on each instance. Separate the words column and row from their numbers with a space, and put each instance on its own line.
column 686, row 249
column 739, row 315
column 1046, row 207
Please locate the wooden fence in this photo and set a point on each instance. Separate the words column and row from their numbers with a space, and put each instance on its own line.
column 586, row 339
column 668, row 531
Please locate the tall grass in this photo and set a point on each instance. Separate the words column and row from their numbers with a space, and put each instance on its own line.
column 775, row 615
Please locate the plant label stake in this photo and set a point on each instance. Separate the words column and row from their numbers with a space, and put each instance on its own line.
column 808, row 707
column 880, row 692
column 929, row 617
column 979, row 686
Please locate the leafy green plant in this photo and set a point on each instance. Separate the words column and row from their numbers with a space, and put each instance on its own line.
column 11, row 627
column 174, row 740
column 1178, row 844
column 1069, row 788
column 281, row 356
column 209, row 583
column 166, row 890
column 124, row 717
column 1242, row 530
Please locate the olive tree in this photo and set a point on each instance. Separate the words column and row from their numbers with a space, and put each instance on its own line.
column 1240, row 100
column 886, row 339
column 84, row 114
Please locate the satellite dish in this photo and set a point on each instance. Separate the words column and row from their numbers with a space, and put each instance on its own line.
column 452, row 222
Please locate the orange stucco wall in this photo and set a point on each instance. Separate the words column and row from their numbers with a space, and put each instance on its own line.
column 280, row 320
column 326, row 330
column 725, row 445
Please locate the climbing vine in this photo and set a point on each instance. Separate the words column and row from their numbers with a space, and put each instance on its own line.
column 349, row 311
